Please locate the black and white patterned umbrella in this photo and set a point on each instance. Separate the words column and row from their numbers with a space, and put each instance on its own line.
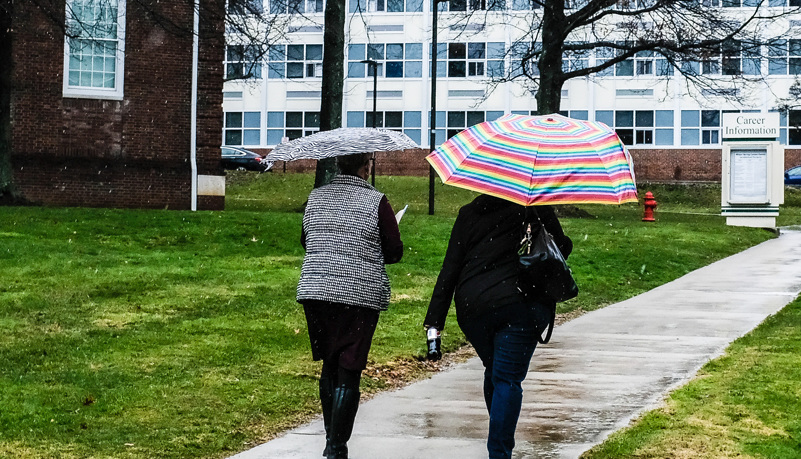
column 341, row 142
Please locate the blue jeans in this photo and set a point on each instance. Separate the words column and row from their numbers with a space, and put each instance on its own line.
column 505, row 340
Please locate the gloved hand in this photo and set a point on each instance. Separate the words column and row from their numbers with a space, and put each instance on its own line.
column 433, row 344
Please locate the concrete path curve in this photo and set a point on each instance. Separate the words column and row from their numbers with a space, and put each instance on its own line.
column 599, row 371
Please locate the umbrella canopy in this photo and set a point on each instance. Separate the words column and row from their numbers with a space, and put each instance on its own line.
column 533, row 160
column 341, row 142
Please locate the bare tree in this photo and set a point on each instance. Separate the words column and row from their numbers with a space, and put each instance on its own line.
column 708, row 45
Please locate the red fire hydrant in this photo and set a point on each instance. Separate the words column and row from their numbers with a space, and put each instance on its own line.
column 650, row 205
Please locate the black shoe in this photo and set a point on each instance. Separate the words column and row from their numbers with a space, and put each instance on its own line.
column 343, row 413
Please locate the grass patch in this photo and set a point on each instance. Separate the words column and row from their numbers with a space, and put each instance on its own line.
column 746, row 403
column 151, row 333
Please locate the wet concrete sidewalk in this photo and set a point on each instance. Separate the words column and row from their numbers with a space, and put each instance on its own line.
column 599, row 371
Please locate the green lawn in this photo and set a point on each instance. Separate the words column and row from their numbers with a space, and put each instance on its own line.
column 152, row 333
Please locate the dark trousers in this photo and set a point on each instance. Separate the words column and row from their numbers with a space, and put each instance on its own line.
column 505, row 340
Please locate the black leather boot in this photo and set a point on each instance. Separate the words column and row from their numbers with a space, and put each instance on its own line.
column 343, row 413
column 327, row 401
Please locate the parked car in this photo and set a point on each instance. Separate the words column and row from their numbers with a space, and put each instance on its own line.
column 236, row 158
column 792, row 176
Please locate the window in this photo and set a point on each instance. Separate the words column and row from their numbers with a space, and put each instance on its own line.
column 794, row 128
column 735, row 3
column 395, row 60
column 784, row 57
column 643, row 63
column 700, row 127
column 245, row 7
column 296, row 6
column 242, row 128
column 407, row 122
column 451, row 123
column 94, row 49
column 639, row 127
column 295, row 61
column 314, row 6
column 710, row 61
column 710, row 127
column 389, row 6
column 524, row 5
column 739, row 60
column 624, row 68
column 242, row 61
column 575, row 59
column 650, row 63
column 470, row 60
column 474, row 5
column 292, row 125
column 663, row 134
column 459, row 121
column 518, row 52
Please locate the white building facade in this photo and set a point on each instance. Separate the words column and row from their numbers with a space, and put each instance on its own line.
column 649, row 105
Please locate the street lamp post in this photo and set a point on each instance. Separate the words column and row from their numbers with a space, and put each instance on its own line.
column 432, row 137
column 374, row 65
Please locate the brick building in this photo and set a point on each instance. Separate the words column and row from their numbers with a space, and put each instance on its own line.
column 102, row 115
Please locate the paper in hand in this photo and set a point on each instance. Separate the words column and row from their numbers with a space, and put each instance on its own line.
column 400, row 213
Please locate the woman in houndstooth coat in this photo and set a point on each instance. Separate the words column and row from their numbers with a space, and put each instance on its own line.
column 349, row 233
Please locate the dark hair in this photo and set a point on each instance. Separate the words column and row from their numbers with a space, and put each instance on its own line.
column 350, row 164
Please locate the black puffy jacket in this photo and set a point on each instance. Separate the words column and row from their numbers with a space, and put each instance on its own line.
column 479, row 271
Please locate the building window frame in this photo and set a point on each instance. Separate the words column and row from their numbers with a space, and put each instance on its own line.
column 576, row 59
column 245, row 7
column 291, row 125
column 794, row 127
column 295, row 61
column 297, row 6
column 242, row 62
column 784, row 57
column 701, row 127
column 242, row 129
column 94, row 50
column 393, row 60
column 642, row 64
column 639, row 128
column 467, row 6
column 385, row 6
column 471, row 60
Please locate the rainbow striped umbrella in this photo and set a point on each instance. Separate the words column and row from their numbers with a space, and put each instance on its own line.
column 533, row 160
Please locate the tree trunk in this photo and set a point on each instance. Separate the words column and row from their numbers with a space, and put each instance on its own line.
column 549, row 93
column 8, row 192
column 333, row 81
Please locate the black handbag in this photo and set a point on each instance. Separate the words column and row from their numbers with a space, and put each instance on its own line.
column 543, row 273
column 543, row 270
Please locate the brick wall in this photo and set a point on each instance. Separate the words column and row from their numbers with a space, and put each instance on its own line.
column 649, row 165
column 129, row 153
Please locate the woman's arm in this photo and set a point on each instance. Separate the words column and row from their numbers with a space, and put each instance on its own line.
column 391, row 244
column 448, row 276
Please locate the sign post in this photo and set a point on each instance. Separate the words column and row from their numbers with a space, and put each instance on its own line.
column 753, row 165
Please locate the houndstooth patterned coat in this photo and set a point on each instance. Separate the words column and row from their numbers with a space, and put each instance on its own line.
column 344, row 262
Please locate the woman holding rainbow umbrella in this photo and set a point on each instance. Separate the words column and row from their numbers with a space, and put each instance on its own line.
column 522, row 165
